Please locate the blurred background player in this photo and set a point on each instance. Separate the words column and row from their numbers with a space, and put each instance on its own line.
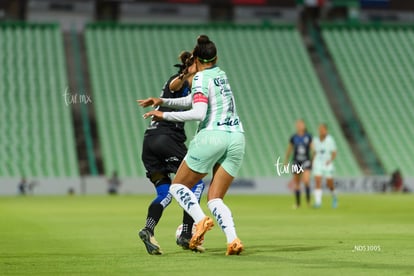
column 22, row 186
column 324, row 153
column 162, row 152
column 218, row 146
column 300, row 143
column 113, row 184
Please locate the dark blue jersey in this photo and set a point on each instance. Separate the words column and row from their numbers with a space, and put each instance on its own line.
column 165, row 127
column 301, row 147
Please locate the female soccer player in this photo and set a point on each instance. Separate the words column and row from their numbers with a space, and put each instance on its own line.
column 324, row 153
column 300, row 143
column 218, row 145
column 162, row 152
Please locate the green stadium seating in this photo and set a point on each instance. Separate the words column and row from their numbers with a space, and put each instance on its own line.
column 36, row 127
column 376, row 65
column 269, row 70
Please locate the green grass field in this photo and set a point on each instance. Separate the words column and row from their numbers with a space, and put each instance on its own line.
column 98, row 235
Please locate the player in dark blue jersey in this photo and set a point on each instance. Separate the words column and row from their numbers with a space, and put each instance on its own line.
column 162, row 152
column 300, row 144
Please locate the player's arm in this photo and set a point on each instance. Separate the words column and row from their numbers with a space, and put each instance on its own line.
column 177, row 103
column 196, row 113
column 333, row 152
column 177, row 83
column 333, row 156
column 288, row 153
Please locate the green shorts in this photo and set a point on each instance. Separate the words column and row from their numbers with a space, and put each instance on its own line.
column 321, row 169
column 211, row 147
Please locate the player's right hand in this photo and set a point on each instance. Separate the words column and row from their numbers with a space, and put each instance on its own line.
column 154, row 102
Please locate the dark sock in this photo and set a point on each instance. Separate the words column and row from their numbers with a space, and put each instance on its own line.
column 297, row 195
column 187, row 225
column 308, row 194
column 154, row 214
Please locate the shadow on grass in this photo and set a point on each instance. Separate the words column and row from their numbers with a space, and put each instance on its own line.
column 263, row 253
column 278, row 248
column 260, row 249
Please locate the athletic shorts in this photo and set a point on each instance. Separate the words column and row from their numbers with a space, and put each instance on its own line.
column 321, row 169
column 211, row 147
column 162, row 153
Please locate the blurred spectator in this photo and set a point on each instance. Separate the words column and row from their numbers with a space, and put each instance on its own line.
column 31, row 186
column 113, row 184
column 22, row 186
column 310, row 13
column 396, row 181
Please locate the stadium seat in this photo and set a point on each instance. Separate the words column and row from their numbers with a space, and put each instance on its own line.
column 375, row 64
column 36, row 126
column 268, row 67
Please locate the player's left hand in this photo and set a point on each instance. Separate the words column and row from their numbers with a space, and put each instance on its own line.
column 154, row 102
column 155, row 114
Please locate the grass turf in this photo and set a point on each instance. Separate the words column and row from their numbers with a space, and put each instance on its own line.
column 367, row 234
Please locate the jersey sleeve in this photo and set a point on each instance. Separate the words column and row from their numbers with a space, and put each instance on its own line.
column 198, row 86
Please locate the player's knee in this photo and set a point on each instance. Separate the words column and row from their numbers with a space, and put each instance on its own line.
column 163, row 195
column 158, row 178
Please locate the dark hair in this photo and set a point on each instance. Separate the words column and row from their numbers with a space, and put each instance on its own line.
column 205, row 50
column 183, row 57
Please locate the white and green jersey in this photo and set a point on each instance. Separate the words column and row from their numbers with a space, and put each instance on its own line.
column 221, row 111
column 324, row 149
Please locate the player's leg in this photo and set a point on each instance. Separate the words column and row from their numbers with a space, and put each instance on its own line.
column 219, row 185
column 187, row 219
column 156, row 150
column 162, row 184
column 306, row 181
column 176, row 152
column 188, row 222
column 204, row 150
column 296, row 181
column 155, row 211
column 331, row 186
column 317, row 170
column 223, row 175
column 329, row 171
column 185, row 179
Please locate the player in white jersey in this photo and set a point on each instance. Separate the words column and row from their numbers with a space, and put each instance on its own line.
column 324, row 153
column 218, row 145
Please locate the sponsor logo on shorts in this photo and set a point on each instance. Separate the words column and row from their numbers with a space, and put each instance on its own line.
column 195, row 158
column 172, row 159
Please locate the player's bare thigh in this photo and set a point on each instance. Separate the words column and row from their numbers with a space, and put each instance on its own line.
column 186, row 176
column 306, row 177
